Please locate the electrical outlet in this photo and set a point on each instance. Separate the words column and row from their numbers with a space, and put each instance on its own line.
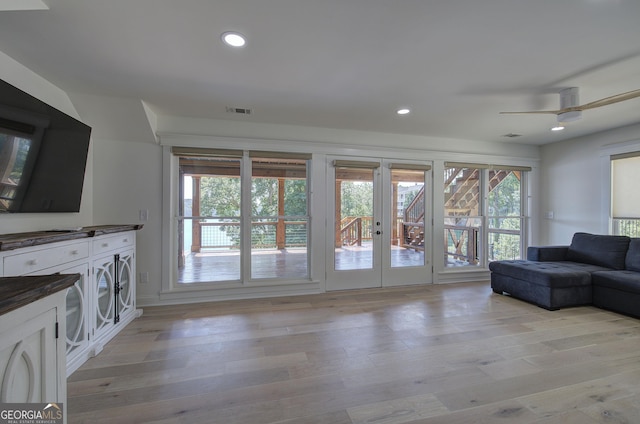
column 549, row 215
column 143, row 214
column 144, row 278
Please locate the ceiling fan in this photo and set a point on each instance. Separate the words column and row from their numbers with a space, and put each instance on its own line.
column 571, row 110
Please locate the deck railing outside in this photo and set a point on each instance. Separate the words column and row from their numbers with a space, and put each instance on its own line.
column 461, row 241
column 218, row 235
column 354, row 230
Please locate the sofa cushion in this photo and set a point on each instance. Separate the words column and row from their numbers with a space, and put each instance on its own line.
column 602, row 250
column 628, row 281
column 633, row 255
column 550, row 274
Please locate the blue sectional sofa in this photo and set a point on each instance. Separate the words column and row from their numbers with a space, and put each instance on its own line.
column 599, row 270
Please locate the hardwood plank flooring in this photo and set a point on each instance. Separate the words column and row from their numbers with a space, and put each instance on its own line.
column 432, row 354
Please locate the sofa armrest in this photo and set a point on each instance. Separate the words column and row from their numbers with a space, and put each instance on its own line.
column 547, row 253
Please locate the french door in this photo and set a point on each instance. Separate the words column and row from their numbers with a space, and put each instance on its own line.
column 380, row 213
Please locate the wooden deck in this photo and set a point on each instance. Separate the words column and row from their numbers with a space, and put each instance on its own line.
column 440, row 354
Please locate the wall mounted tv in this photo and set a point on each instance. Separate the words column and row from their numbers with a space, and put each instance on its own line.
column 43, row 155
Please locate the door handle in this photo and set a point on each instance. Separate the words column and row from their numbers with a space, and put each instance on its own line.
column 378, row 232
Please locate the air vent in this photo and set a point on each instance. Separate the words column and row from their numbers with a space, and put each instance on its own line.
column 239, row 110
column 512, row 135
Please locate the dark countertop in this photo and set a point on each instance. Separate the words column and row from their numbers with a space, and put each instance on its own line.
column 35, row 238
column 16, row 292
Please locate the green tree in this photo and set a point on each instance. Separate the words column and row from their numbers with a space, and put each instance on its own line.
column 504, row 208
column 357, row 198
column 220, row 196
column 295, row 198
column 408, row 198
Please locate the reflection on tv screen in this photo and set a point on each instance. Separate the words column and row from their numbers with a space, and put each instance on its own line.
column 14, row 152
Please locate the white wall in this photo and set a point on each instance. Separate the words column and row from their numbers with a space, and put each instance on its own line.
column 575, row 184
column 127, row 179
column 21, row 77
column 343, row 139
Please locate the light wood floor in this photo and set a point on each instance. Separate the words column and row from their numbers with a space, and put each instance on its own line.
column 438, row 354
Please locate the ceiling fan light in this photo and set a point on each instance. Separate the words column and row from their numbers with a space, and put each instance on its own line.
column 234, row 39
column 557, row 128
column 403, row 111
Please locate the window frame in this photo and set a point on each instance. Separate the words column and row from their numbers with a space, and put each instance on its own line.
column 483, row 211
column 172, row 290
column 616, row 222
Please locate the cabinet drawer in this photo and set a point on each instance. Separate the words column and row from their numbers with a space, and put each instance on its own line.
column 105, row 244
column 37, row 260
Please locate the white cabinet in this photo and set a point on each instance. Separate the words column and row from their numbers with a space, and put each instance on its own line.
column 32, row 351
column 104, row 271
column 78, row 309
column 126, row 286
column 28, row 357
column 102, row 302
column 114, row 285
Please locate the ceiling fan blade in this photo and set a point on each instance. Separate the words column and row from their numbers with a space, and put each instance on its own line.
column 592, row 105
column 610, row 100
column 546, row 112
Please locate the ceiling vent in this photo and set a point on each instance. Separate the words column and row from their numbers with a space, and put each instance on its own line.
column 512, row 135
column 239, row 110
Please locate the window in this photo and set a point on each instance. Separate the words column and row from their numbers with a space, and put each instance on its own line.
column 462, row 220
column 625, row 198
column 243, row 216
column 483, row 214
column 504, row 213
column 279, row 218
column 209, row 226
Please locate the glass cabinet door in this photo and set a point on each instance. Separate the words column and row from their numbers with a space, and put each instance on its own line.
column 77, row 333
column 105, row 286
column 125, row 276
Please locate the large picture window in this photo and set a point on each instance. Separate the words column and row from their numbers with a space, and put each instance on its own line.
column 483, row 214
column 242, row 216
column 625, row 198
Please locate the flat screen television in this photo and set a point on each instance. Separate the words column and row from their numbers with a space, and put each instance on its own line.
column 43, row 155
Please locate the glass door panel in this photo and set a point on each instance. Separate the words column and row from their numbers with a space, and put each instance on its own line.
column 354, row 258
column 407, row 231
column 407, row 211
column 354, row 219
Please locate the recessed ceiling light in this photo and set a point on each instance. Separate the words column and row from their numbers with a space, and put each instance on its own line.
column 234, row 39
column 403, row 111
column 558, row 128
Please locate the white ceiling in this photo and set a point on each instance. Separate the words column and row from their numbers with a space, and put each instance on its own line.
column 346, row 64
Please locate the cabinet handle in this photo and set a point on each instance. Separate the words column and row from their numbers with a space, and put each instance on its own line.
column 74, row 252
column 125, row 240
column 105, row 244
column 32, row 262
